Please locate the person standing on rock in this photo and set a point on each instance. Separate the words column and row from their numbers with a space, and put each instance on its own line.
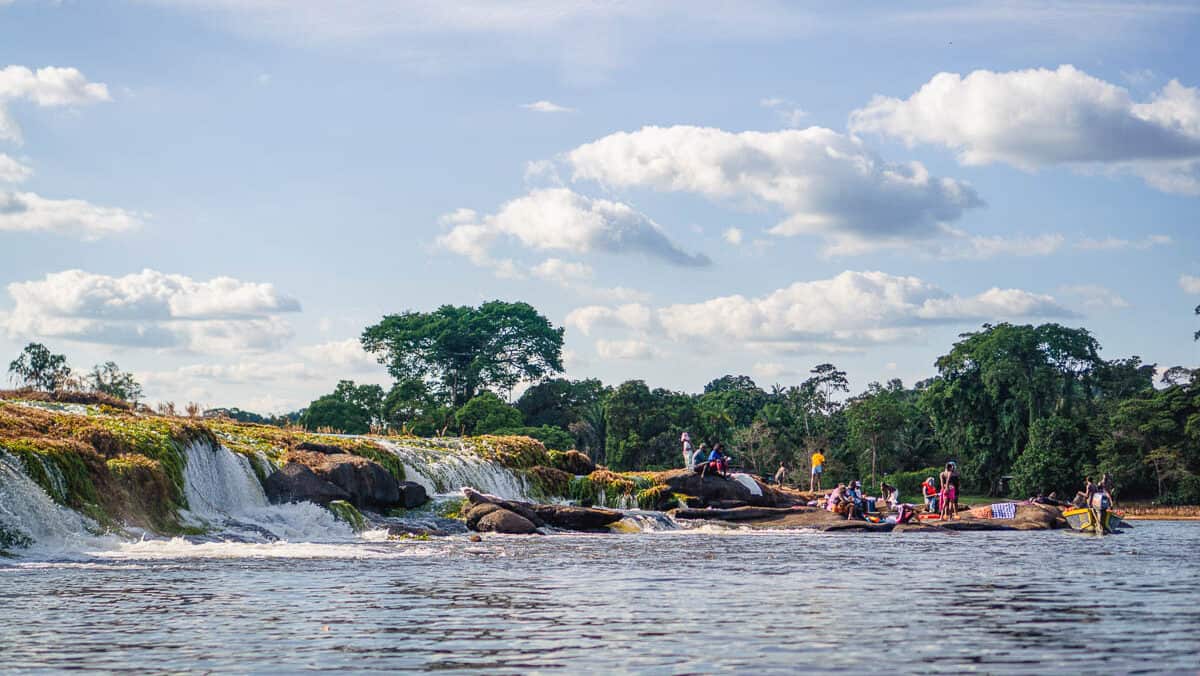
column 780, row 475
column 818, row 467
column 686, row 440
column 949, row 494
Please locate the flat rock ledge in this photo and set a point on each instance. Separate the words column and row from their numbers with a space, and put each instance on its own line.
column 1028, row 517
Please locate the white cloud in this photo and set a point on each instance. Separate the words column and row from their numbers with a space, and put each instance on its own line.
column 733, row 236
column 151, row 309
column 771, row 370
column 1095, row 297
column 964, row 246
column 627, row 349
column 631, row 315
column 546, row 107
column 849, row 311
column 346, row 353
column 12, row 171
column 45, row 87
column 825, row 182
column 1189, row 283
column 558, row 219
column 562, row 272
column 1039, row 117
column 28, row 212
column 1116, row 243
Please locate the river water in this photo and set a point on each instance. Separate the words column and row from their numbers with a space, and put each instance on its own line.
column 656, row 602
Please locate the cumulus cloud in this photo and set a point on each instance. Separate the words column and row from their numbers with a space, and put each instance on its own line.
column 28, row 212
column 734, row 236
column 45, row 87
column 151, row 309
column 1189, row 283
column 346, row 353
column 12, row 171
column 851, row 310
column 825, row 182
column 1040, row 117
column 563, row 272
column 546, row 107
column 558, row 219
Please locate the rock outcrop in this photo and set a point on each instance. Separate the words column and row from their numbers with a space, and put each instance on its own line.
column 362, row 482
column 713, row 490
column 412, row 494
column 488, row 513
column 296, row 483
column 574, row 462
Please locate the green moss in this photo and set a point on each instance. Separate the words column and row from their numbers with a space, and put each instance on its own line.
column 547, row 482
column 347, row 512
column 511, row 451
column 655, row 497
column 64, row 470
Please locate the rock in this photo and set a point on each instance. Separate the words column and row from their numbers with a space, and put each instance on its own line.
column 735, row 514
column 476, row 512
column 574, row 462
column 576, row 518
column 295, row 482
column 412, row 494
column 327, row 449
column 366, row 483
column 474, row 538
column 400, row 532
column 502, row 520
column 712, row 489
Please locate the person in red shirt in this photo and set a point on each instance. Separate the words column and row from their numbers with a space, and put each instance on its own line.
column 929, row 490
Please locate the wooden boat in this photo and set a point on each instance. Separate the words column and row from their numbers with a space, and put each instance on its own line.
column 1081, row 519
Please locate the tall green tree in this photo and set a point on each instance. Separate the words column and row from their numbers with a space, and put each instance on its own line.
column 463, row 350
column 39, row 368
column 350, row 408
column 874, row 421
column 486, row 413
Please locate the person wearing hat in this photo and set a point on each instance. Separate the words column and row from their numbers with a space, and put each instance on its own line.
column 686, row 440
column 929, row 490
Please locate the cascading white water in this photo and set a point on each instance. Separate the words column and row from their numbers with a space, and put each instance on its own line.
column 450, row 467
column 26, row 510
column 223, row 493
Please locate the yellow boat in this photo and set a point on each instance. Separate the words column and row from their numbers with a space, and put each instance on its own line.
column 1082, row 519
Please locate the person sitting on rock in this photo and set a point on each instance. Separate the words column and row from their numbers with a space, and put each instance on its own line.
column 840, row 502
column 699, row 458
column 929, row 489
column 718, row 462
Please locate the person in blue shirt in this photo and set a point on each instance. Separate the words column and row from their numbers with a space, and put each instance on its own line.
column 718, row 462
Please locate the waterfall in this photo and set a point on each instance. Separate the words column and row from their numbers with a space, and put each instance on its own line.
column 30, row 516
column 224, row 495
column 450, row 466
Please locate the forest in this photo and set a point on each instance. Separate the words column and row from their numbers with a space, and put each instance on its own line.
column 1022, row 409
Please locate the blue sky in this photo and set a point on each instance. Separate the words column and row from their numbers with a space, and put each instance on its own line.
column 220, row 195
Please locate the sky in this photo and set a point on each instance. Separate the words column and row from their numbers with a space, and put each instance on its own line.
column 219, row 195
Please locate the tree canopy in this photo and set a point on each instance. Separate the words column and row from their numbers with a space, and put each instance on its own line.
column 461, row 350
column 39, row 368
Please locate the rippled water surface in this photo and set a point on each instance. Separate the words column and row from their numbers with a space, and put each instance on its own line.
column 655, row 602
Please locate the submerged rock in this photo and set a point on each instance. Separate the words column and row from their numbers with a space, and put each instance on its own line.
column 412, row 494
column 503, row 521
column 576, row 518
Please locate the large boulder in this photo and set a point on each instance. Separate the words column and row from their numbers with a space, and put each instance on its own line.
column 503, row 521
column 715, row 490
column 576, row 518
column 297, row 483
column 367, row 483
column 412, row 494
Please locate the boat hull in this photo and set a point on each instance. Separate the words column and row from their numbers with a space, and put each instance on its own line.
column 1082, row 519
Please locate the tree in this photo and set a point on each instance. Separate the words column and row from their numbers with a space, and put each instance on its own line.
column 108, row 378
column 38, row 368
column 329, row 411
column 350, row 408
column 559, row 402
column 874, row 420
column 485, row 414
column 462, row 350
column 644, row 426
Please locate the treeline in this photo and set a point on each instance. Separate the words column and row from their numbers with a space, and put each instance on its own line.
column 1026, row 408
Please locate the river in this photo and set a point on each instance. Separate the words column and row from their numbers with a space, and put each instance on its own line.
column 655, row 602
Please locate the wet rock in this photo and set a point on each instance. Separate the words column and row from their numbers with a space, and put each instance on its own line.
column 715, row 490
column 503, row 521
column 295, row 483
column 366, row 483
column 576, row 518
column 412, row 494
column 398, row 531
column 474, row 538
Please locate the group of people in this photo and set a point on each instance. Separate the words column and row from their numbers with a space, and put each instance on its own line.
column 702, row 459
column 849, row 500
